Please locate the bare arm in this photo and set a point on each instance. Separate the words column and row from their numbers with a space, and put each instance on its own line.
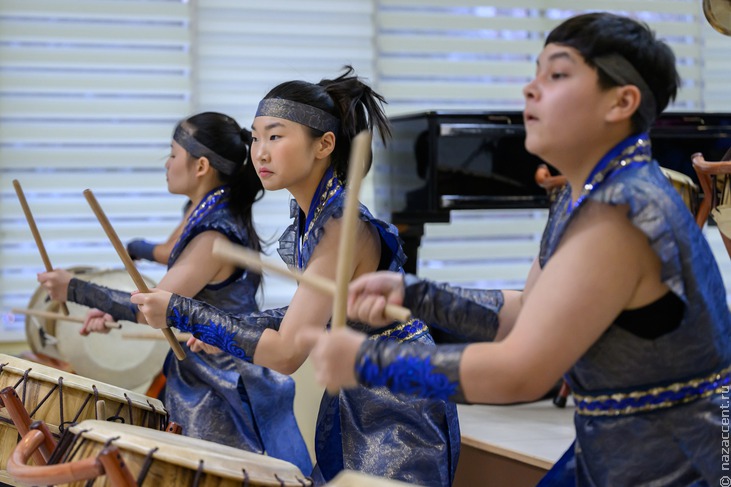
column 603, row 266
column 309, row 311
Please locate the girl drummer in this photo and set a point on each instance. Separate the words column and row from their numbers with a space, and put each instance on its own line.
column 216, row 397
column 625, row 297
column 302, row 136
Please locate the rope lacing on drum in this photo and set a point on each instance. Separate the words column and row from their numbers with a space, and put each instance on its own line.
column 246, row 478
column 53, row 389
column 96, row 401
column 307, row 482
column 60, row 402
column 146, row 466
column 78, row 413
column 281, row 482
column 23, row 380
column 198, row 473
column 67, row 439
column 77, row 446
column 110, row 441
column 130, row 407
column 162, row 421
column 116, row 416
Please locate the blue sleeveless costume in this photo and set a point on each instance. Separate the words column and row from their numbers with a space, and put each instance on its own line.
column 649, row 411
column 218, row 397
column 367, row 430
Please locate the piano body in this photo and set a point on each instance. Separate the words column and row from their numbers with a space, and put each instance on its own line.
column 438, row 162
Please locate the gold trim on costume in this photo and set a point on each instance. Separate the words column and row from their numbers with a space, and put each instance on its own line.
column 608, row 404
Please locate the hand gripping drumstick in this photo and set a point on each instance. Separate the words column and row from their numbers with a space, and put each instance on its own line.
column 249, row 259
column 359, row 153
column 59, row 317
column 36, row 233
column 129, row 265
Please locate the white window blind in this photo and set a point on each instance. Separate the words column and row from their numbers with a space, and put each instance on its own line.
column 90, row 90
column 89, row 94
column 243, row 49
column 477, row 56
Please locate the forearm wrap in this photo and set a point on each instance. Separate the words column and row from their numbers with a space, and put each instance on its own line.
column 411, row 368
column 471, row 314
column 141, row 249
column 237, row 335
column 116, row 303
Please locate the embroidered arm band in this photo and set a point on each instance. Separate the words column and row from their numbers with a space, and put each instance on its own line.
column 471, row 314
column 411, row 368
column 111, row 301
column 237, row 335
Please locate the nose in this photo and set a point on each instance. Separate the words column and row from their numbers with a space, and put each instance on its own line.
column 259, row 152
column 530, row 91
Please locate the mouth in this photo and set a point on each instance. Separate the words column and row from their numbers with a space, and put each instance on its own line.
column 265, row 172
column 529, row 117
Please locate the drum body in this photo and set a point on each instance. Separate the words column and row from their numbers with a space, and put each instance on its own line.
column 126, row 363
column 61, row 399
column 686, row 188
column 158, row 458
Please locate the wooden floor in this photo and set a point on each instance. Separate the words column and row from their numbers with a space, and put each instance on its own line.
column 511, row 446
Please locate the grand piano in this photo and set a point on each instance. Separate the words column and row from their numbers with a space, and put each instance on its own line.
column 442, row 161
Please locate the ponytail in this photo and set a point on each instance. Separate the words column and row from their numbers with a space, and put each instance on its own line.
column 351, row 101
column 222, row 135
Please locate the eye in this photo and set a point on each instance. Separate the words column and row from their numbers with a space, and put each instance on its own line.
column 274, row 137
column 558, row 75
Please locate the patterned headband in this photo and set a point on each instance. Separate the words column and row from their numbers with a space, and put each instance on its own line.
column 196, row 149
column 298, row 112
column 621, row 71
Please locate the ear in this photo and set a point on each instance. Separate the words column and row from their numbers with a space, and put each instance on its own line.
column 325, row 145
column 625, row 102
column 202, row 166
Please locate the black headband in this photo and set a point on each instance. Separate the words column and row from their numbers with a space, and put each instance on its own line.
column 621, row 71
column 301, row 113
column 196, row 149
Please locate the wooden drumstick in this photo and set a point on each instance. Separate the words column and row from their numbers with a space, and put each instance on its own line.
column 129, row 265
column 36, row 233
column 59, row 317
column 251, row 260
column 181, row 337
column 359, row 153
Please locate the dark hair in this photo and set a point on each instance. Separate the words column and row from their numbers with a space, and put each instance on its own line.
column 223, row 135
column 600, row 33
column 346, row 97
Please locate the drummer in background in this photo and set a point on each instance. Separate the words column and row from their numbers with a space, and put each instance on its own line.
column 302, row 135
column 625, row 297
column 214, row 396
column 141, row 248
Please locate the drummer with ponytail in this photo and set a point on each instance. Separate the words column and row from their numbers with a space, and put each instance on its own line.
column 302, row 136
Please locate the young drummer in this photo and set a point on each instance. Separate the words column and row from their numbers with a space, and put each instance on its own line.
column 216, row 397
column 625, row 297
column 302, row 136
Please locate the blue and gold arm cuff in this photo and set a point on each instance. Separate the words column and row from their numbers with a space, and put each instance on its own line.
column 411, row 368
column 235, row 334
column 116, row 303
column 470, row 314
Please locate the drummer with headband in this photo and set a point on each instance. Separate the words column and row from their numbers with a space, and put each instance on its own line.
column 302, row 136
column 625, row 297
column 214, row 396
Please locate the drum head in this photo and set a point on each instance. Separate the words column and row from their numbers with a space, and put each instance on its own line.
column 349, row 478
column 221, row 460
column 110, row 358
column 38, row 329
